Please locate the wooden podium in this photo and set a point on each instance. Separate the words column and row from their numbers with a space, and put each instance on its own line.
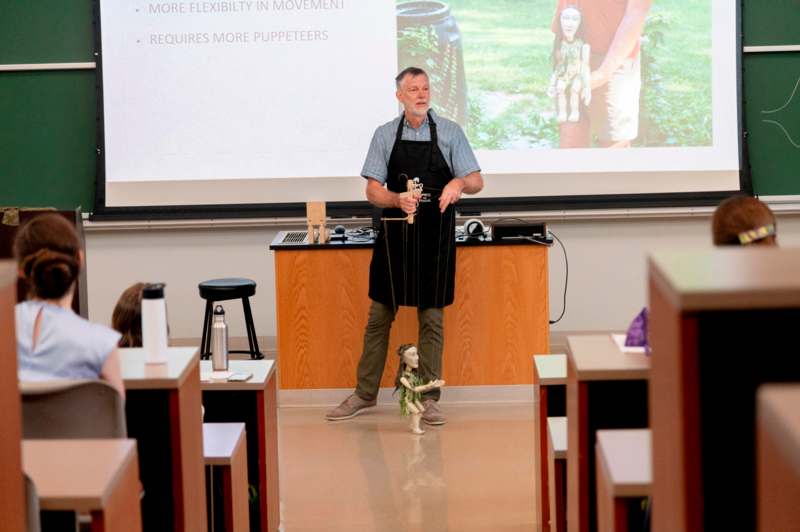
column 498, row 320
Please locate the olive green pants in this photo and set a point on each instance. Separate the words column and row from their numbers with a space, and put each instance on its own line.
column 376, row 344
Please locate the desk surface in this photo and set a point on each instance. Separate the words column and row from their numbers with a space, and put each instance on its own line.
column 737, row 278
column 597, row 358
column 557, row 431
column 779, row 412
column 220, row 441
column 550, row 369
column 76, row 474
column 136, row 374
column 295, row 240
column 261, row 370
column 627, row 457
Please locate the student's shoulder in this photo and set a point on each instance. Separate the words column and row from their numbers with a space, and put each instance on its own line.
column 85, row 330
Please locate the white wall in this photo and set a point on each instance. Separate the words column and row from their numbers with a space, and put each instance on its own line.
column 607, row 276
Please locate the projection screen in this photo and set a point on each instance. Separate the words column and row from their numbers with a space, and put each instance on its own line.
column 274, row 102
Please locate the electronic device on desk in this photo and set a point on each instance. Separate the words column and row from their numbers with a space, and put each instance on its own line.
column 339, row 234
column 474, row 230
column 516, row 229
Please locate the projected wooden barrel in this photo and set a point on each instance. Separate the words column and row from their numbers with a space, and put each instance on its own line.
column 428, row 37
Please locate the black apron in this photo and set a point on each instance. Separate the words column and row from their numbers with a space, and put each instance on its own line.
column 414, row 264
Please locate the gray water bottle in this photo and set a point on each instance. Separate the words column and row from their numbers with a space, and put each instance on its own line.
column 219, row 341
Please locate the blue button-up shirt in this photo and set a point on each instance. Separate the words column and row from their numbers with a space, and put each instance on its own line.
column 452, row 142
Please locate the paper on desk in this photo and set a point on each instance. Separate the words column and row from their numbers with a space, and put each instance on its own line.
column 619, row 339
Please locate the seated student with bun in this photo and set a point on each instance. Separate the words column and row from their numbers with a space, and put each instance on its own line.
column 127, row 316
column 52, row 341
column 737, row 221
column 743, row 221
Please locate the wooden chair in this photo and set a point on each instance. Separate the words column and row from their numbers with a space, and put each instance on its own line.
column 550, row 389
column 71, row 409
column 778, row 460
column 557, row 462
column 225, row 454
column 624, row 478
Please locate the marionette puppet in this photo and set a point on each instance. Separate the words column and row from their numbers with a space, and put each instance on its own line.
column 570, row 67
column 411, row 387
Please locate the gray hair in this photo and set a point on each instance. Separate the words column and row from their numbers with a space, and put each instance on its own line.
column 410, row 71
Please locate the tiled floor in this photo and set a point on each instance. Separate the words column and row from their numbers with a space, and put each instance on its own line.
column 371, row 474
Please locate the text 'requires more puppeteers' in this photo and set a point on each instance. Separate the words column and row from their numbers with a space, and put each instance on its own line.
column 237, row 37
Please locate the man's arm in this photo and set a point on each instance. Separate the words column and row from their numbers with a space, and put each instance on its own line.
column 469, row 184
column 628, row 33
column 382, row 197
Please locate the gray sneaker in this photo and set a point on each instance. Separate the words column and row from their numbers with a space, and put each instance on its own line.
column 350, row 407
column 433, row 414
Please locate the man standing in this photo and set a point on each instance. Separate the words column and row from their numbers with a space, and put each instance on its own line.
column 412, row 264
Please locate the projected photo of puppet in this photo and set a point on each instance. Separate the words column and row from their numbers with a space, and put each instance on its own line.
column 511, row 71
column 613, row 32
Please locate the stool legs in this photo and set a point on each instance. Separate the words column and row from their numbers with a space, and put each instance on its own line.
column 205, row 341
column 252, row 340
column 255, row 353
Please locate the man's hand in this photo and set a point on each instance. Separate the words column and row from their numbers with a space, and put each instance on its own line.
column 408, row 203
column 599, row 78
column 451, row 193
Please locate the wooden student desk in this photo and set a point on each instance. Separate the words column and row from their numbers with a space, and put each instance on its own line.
column 550, row 380
column 12, row 497
column 557, row 474
column 97, row 477
column 778, row 457
column 162, row 407
column 254, row 403
column 723, row 322
column 624, row 476
column 499, row 317
column 606, row 389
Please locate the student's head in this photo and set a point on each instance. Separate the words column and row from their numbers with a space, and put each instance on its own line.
column 49, row 257
column 127, row 316
column 743, row 220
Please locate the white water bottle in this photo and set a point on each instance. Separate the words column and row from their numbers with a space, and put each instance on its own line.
column 154, row 324
column 219, row 341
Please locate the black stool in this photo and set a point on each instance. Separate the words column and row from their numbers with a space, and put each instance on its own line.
column 223, row 290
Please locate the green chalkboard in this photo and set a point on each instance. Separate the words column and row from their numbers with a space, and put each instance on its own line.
column 770, row 22
column 46, row 31
column 772, row 110
column 47, row 140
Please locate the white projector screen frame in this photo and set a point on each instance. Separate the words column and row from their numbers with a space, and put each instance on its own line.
column 231, row 186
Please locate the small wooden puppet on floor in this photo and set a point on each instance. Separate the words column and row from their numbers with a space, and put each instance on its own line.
column 411, row 387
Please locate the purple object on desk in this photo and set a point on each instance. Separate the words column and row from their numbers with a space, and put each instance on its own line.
column 637, row 332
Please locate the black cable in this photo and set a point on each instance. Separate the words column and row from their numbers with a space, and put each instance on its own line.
column 566, row 279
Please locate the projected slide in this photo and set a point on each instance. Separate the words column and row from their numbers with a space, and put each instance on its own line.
column 273, row 92
column 512, row 75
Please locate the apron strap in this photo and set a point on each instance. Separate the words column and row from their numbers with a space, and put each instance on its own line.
column 399, row 135
column 434, row 139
